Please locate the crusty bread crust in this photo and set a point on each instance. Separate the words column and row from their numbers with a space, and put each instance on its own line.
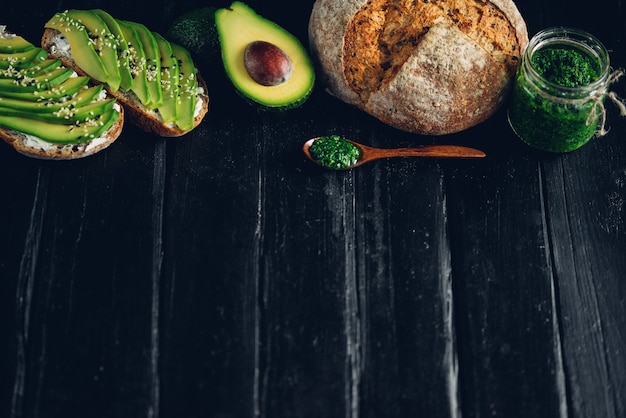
column 147, row 119
column 51, row 151
column 432, row 67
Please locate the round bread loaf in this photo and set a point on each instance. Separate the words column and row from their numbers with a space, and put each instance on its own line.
column 430, row 67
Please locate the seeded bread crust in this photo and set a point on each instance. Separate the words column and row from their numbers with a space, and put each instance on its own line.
column 20, row 142
column 147, row 119
column 431, row 67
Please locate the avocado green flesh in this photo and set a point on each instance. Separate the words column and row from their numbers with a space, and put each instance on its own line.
column 37, row 69
column 67, row 88
column 152, row 71
column 117, row 36
column 41, row 67
column 65, row 115
column 82, row 48
column 47, row 100
column 81, row 98
column 186, row 103
column 103, row 41
column 136, row 63
column 169, row 79
column 22, row 60
column 41, row 82
column 129, row 56
column 238, row 26
column 15, row 44
column 60, row 133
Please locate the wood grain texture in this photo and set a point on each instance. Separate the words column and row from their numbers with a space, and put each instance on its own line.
column 223, row 275
column 589, row 243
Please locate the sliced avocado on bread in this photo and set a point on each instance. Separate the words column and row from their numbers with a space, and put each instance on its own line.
column 139, row 67
column 47, row 111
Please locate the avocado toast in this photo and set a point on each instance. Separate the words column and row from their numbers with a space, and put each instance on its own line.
column 47, row 110
column 156, row 80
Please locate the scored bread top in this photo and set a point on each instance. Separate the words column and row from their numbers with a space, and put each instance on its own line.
column 427, row 66
column 383, row 35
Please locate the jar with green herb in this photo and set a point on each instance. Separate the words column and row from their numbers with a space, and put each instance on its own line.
column 557, row 102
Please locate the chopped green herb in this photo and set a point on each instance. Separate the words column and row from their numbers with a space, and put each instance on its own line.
column 550, row 125
column 334, row 152
column 558, row 91
column 567, row 67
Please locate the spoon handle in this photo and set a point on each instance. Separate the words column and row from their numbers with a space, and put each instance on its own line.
column 441, row 151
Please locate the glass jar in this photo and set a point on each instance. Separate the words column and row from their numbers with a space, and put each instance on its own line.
column 559, row 88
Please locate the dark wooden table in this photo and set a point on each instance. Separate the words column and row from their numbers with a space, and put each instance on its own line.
column 222, row 275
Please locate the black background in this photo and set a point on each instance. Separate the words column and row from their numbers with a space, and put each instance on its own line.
column 221, row 274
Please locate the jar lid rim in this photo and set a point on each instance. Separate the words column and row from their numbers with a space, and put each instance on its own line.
column 579, row 38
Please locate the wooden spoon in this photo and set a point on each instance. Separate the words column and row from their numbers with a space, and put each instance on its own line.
column 370, row 153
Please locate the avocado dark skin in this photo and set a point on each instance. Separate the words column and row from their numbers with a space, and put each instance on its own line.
column 195, row 30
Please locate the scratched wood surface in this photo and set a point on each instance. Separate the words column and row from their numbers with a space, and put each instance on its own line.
column 222, row 275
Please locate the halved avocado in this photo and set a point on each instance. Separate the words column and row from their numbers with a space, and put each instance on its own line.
column 239, row 26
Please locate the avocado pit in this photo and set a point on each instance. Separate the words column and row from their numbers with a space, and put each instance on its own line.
column 267, row 64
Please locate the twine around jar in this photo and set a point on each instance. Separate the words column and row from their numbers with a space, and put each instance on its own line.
column 598, row 103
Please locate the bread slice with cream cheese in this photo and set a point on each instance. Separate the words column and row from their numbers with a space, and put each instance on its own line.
column 16, row 106
column 149, row 119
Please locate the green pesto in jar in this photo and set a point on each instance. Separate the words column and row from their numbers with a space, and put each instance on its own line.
column 558, row 89
column 565, row 66
column 334, row 152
